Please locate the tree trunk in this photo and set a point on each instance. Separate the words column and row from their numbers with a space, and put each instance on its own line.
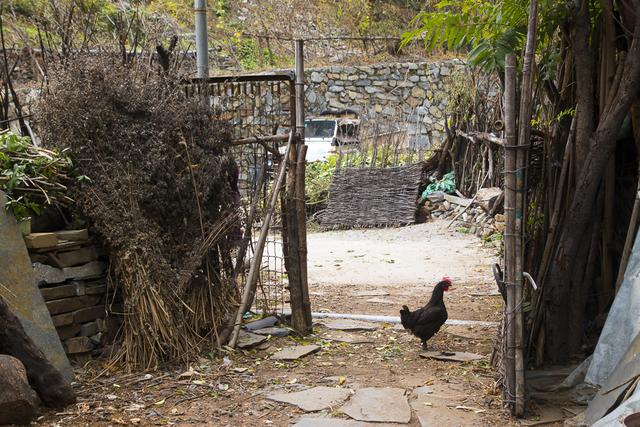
column 585, row 95
column 580, row 213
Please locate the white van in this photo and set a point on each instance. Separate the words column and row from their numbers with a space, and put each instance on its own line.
column 331, row 131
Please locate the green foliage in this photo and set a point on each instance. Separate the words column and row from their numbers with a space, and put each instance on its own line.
column 446, row 184
column 318, row 180
column 25, row 167
column 487, row 30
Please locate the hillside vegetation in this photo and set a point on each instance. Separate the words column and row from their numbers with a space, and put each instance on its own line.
column 242, row 34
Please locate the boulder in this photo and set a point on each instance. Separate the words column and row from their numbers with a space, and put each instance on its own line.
column 486, row 197
column 18, row 401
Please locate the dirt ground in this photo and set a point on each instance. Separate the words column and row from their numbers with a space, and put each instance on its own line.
column 363, row 272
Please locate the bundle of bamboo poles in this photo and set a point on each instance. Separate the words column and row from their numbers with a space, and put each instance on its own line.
column 517, row 136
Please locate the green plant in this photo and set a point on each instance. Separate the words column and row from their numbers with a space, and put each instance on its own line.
column 318, row 180
column 487, row 30
column 32, row 176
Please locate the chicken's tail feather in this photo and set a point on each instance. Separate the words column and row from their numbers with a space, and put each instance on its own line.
column 406, row 318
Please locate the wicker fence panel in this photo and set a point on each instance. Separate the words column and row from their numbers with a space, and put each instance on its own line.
column 368, row 197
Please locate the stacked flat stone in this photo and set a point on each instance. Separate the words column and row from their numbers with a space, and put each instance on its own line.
column 72, row 279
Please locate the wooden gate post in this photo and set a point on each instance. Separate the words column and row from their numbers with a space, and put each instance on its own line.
column 296, row 218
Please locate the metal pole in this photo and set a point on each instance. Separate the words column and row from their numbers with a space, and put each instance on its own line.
column 299, row 58
column 202, row 45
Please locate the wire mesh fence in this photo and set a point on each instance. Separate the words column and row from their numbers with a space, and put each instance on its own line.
column 256, row 106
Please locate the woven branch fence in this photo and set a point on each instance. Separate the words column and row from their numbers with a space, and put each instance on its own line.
column 369, row 197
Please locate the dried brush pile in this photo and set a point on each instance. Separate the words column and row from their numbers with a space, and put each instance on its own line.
column 160, row 195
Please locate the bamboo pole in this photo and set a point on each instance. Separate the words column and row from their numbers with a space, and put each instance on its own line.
column 521, row 156
column 256, row 261
column 509, row 211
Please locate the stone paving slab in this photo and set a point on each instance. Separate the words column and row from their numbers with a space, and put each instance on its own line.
column 294, row 353
column 377, row 404
column 275, row 331
column 371, row 293
column 337, row 422
column 313, row 399
column 248, row 339
column 348, row 338
column 348, row 325
column 458, row 356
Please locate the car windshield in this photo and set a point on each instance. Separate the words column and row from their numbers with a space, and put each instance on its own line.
column 319, row 128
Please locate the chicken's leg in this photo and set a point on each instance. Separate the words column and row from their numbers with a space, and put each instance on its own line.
column 424, row 345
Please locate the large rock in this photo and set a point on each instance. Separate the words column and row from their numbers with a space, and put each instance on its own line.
column 18, row 401
column 486, row 197
column 24, row 297
column 44, row 378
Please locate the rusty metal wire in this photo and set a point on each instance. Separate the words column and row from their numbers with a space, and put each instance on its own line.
column 257, row 107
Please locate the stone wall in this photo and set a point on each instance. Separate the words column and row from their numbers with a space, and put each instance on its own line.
column 395, row 96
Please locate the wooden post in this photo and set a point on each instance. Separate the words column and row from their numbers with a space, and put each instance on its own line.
column 305, row 315
column 509, row 211
column 524, row 132
column 296, row 215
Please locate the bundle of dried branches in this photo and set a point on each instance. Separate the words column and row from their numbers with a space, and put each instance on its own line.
column 160, row 194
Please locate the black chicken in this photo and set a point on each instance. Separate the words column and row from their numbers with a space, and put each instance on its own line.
column 426, row 321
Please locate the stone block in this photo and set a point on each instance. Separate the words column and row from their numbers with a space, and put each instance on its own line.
column 18, row 401
column 94, row 288
column 66, row 305
column 317, row 77
column 45, row 274
column 486, row 197
column 89, row 329
column 40, row 240
column 78, row 345
column 89, row 314
column 68, row 331
column 73, row 235
column 62, row 319
column 96, row 339
column 78, row 256
column 64, row 291
column 91, row 270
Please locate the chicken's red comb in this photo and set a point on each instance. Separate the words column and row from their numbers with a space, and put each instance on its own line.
column 446, row 279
